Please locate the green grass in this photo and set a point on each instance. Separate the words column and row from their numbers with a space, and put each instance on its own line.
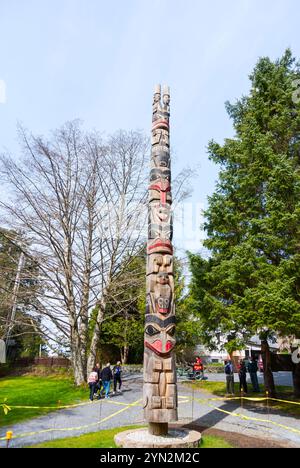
column 105, row 439
column 209, row 441
column 101, row 439
column 219, row 389
column 51, row 390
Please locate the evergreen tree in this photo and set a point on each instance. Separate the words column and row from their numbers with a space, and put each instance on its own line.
column 251, row 282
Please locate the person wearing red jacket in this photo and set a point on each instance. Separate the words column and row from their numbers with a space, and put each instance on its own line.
column 198, row 366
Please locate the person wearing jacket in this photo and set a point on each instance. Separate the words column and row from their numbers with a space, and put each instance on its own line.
column 93, row 382
column 229, row 373
column 117, row 371
column 252, row 369
column 99, row 383
column 243, row 376
column 198, row 367
column 106, row 377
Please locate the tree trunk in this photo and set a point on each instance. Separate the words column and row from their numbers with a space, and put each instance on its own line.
column 296, row 378
column 79, row 372
column 124, row 354
column 78, row 363
column 268, row 375
column 91, row 361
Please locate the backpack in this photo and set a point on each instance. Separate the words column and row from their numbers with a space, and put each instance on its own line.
column 228, row 369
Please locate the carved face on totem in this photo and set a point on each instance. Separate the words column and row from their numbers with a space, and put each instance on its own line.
column 160, row 187
column 160, row 173
column 160, row 213
column 166, row 99
column 159, row 245
column 160, row 263
column 163, row 231
column 162, row 298
column 156, row 98
column 160, row 295
column 161, row 159
column 160, row 137
column 160, row 120
column 160, row 221
column 160, row 335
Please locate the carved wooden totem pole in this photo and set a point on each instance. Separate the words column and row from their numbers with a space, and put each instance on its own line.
column 160, row 390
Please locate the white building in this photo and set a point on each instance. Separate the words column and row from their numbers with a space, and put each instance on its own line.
column 253, row 348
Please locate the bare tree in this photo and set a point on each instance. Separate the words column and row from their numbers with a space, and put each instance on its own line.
column 81, row 202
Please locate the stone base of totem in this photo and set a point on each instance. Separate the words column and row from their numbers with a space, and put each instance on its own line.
column 177, row 437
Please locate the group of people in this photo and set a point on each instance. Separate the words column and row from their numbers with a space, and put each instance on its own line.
column 99, row 380
column 244, row 366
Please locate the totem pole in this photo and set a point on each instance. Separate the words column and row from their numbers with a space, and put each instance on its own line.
column 160, row 390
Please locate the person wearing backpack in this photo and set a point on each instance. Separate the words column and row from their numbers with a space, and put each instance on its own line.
column 93, row 382
column 117, row 371
column 106, row 377
column 229, row 377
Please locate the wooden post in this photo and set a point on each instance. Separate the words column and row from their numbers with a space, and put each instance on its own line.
column 160, row 389
column 158, row 429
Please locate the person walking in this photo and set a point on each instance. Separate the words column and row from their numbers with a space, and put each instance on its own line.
column 106, row 377
column 92, row 382
column 117, row 372
column 228, row 369
column 252, row 369
column 99, row 383
column 243, row 376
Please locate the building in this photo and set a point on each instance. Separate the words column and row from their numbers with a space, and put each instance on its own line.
column 252, row 348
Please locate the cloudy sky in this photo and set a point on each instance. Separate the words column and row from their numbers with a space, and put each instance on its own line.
column 99, row 61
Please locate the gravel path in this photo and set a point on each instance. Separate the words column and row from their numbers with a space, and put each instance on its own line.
column 126, row 409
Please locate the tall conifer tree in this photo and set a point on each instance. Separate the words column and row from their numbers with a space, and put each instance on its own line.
column 251, row 282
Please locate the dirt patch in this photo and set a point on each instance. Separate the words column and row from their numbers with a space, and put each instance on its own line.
column 240, row 440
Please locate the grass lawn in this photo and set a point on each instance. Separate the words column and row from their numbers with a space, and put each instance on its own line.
column 219, row 389
column 105, row 439
column 209, row 441
column 37, row 391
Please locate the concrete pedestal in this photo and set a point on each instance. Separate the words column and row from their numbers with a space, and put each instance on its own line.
column 177, row 437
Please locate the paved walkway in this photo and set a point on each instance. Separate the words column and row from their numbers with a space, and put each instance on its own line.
column 126, row 409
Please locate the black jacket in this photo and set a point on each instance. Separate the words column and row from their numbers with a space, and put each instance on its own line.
column 252, row 367
column 106, row 374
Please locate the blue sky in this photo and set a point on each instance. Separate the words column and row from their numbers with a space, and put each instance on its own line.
column 99, row 60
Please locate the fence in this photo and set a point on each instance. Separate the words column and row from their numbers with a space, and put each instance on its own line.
column 42, row 361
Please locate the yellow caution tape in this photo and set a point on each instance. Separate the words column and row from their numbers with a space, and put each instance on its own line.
column 60, row 429
column 249, row 398
column 66, row 406
column 252, row 399
column 284, row 401
column 183, row 400
column 182, row 397
column 249, row 418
